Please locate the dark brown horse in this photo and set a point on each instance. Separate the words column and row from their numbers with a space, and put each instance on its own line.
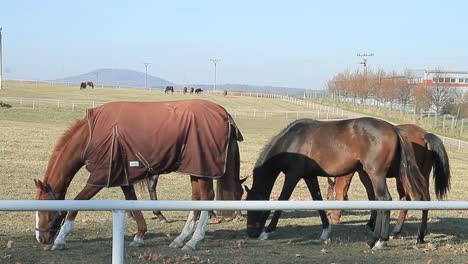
column 310, row 148
column 169, row 89
column 430, row 155
column 143, row 139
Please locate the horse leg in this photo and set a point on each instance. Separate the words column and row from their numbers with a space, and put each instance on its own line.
column 365, row 180
column 402, row 216
column 129, row 193
column 152, row 182
column 186, row 232
column 314, row 189
column 422, row 228
column 381, row 230
column 205, row 192
column 87, row 193
column 338, row 191
column 290, row 183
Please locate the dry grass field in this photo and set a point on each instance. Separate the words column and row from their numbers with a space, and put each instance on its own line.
column 28, row 135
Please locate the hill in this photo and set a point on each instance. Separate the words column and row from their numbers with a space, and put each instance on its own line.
column 121, row 77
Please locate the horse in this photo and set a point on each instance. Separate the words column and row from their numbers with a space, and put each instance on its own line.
column 185, row 89
column 191, row 90
column 225, row 93
column 169, row 89
column 198, row 91
column 4, row 105
column 87, row 83
column 430, row 155
column 123, row 143
column 309, row 148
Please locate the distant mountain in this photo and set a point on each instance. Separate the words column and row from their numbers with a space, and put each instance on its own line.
column 121, row 77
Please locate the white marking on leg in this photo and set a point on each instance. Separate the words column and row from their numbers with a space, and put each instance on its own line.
column 264, row 235
column 65, row 230
column 186, row 232
column 380, row 244
column 37, row 226
column 199, row 232
column 137, row 242
column 326, row 233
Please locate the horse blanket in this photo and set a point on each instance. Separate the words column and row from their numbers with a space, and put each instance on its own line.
column 131, row 140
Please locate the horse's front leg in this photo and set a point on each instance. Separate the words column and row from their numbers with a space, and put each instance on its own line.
column 186, row 232
column 314, row 189
column 199, row 233
column 87, row 193
column 152, row 182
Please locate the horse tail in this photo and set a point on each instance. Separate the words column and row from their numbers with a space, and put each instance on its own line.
column 414, row 183
column 441, row 166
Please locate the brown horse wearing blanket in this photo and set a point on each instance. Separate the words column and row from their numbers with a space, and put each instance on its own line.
column 122, row 143
column 310, row 148
column 430, row 155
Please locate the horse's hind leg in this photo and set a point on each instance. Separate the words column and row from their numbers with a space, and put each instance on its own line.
column 381, row 230
column 87, row 193
column 152, row 182
column 422, row 228
column 370, row 196
column 129, row 193
column 314, row 189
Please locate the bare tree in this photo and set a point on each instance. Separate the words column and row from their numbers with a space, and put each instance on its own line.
column 441, row 94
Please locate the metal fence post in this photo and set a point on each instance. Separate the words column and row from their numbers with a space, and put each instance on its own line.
column 118, row 235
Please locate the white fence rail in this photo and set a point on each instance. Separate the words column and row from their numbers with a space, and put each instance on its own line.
column 118, row 209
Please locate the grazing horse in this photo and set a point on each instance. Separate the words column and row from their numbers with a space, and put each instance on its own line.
column 169, row 89
column 122, row 143
column 87, row 83
column 310, row 148
column 430, row 155
column 4, row 105
column 198, row 91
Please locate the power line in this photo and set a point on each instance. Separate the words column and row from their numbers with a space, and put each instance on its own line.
column 364, row 60
column 215, row 62
column 146, row 74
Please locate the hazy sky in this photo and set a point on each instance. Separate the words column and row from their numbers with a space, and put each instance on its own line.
column 279, row 43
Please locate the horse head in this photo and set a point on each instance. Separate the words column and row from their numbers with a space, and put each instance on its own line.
column 47, row 222
column 255, row 219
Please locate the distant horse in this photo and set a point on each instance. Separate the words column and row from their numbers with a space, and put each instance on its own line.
column 430, row 154
column 122, row 143
column 87, row 83
column 191, row 90
column 4, row 105
column 185, row 90
column 310, row 148
column 198, row 91
column 225, row 92
column 169, row 89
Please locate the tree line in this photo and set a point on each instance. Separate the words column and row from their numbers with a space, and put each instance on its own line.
column 403, row 89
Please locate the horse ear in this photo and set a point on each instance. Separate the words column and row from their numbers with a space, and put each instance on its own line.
column 39, row 184
column 243, row 180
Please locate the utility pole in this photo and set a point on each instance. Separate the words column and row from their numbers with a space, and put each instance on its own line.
column 146, row 74
column 1, row 80
column 364, row 60
column 215, row 61
column 97, row 78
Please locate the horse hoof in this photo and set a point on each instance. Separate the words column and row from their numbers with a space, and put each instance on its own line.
column 58, row 247
column 189, row 248
column 380, row 245
column 264, row 235
column 175, row 244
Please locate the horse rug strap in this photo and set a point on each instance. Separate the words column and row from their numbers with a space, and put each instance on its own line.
column 130, row 140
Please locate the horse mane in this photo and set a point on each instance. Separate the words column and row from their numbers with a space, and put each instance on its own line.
column 266, row 151
column 63, row 140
